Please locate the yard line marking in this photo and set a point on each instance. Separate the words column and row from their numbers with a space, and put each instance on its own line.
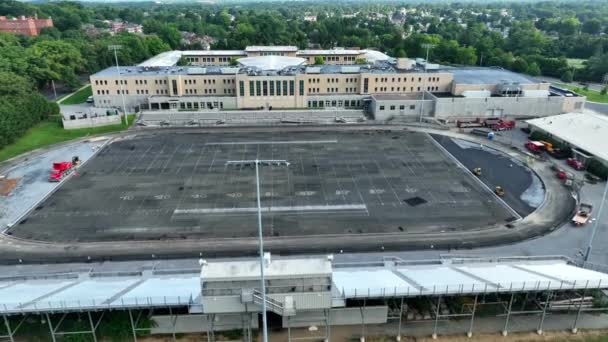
column 279, row 142
column 279, row 209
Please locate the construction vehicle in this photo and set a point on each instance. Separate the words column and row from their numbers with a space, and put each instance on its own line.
column 60, row 171
column 583, row 215
column 548, row 145
column 499, row 191
column 535, row 146
column 499, row 124
column 477, row 171
column 575, row 164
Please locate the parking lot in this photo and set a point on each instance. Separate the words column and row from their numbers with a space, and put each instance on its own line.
column 180, row 186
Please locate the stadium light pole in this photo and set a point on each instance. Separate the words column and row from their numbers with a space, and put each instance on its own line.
column 428, row 47
column 596, row 223
column 257, row 162
column 122, row 92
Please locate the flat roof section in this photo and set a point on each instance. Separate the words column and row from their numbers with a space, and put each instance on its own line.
column 481, row 75
column 465, row 277
column 582, row 130
column 280, row 268
column 330, row 52
column 278, row 48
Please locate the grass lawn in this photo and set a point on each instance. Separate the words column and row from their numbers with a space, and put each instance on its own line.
column 78, row 97
column 576, row 62
column 52, row 132
column 592, row 95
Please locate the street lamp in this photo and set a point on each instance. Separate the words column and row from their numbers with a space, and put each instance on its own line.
column 122, row 93
column 427, row 46
column 596, row 223
column 257, row 162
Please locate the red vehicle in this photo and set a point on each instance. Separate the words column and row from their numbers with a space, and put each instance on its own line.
column 499, row 124
column 469, row 124
column 575, row 164
column 60, row 170
column 535, row 146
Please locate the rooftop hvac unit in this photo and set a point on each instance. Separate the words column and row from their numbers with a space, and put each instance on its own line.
column 313, row 70
column 197, row 71
column 350, row 69
column 229, row 71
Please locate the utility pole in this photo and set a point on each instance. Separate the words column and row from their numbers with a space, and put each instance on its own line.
column 257, row 163
column 54, row 90
column 122, row 92
column 428, row 47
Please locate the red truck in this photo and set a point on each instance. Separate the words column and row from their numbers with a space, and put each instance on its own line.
column 575, row 164
column 60, row 170
column 499, row 124
column 535, row 146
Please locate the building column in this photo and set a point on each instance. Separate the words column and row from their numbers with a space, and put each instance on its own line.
column 542, row 317
column 8, row 329
column 470, row 332
column 48, row 320
column 400, row 319
column 132, row 326
column 506, row 328
column 362, row 310
column 93, row 327
column 578, row 313
column 434, row 336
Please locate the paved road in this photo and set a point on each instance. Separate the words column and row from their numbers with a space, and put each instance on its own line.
column 592, row 86
column 598, row 107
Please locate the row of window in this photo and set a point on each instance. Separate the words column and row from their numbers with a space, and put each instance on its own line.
column 208, row 59
column 101, row 82
column 334, row 103
column 401, row 107
column 270, row 88
column 103, row 92
column 381, row 89
column 331, row 80
column 160, row 81
column 142, row 92
column 398, row 79
column 205, row 81
column 201, row 105
column 141, row 81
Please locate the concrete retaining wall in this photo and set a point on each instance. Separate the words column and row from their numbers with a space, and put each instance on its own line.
column 92, row 122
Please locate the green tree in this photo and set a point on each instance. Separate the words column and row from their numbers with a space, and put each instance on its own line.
column 604, row 90
column 592, row 26
column 520, row 65
column 319, row 60
column 54, row 60
column 567, row 76
column 533, row 69
column 155, row 45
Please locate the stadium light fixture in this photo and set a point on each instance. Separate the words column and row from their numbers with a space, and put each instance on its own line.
column 428, row 47
column 258, row 162
column 115, row 48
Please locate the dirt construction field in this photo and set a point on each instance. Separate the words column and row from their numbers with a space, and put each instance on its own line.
column 169, row 185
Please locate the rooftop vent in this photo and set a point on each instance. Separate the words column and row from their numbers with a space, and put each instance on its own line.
column 197, row 71
column 350, row 69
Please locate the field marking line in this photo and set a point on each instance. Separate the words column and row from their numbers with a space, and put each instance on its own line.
column 279, row 142
column 470, row 175
column 279, row 209
column 181, row 164
column 162, row 171
column 157, row 154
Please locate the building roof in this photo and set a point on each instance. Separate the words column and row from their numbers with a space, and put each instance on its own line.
column 271, row 62
column 169, row 58
column 464, row 277
column 584, row 131
column 73, row 292
column 329, row 52
column 214, row 53
column 277, row 268
column 471, row 75
column 260, row 48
